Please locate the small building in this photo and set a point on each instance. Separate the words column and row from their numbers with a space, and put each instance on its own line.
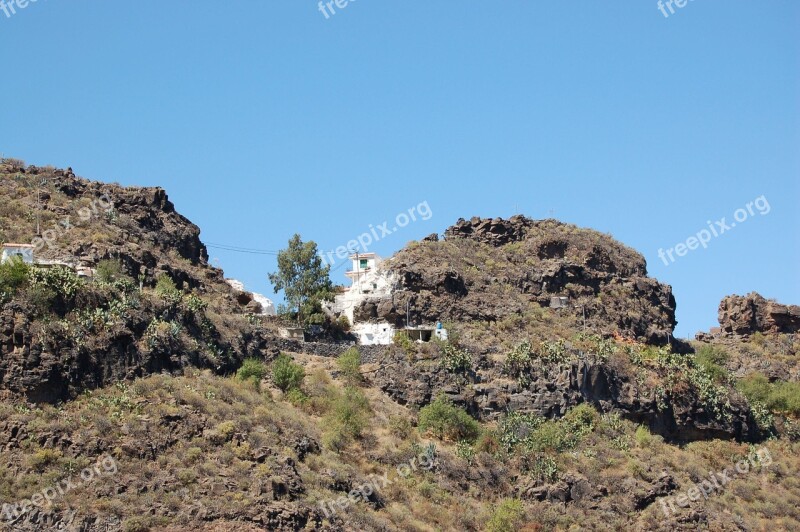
column 374, row 333
column 419, row 334
column 293, row 333
column 559, row 302
column 23, row 251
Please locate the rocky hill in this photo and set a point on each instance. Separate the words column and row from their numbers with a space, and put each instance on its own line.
column 156, row 377
column 494, row 269
column 69, row 335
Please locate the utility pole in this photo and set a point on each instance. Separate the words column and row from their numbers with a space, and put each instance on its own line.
column 38, row 208
column 39, row 185
column 358, row 273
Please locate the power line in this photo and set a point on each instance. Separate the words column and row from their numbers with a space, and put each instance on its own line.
column 239, row 249
column 253, row 251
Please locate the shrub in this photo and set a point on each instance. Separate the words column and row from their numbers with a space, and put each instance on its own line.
column 713, row 360
column 13, row 276
column 465, row 451
column 166, row 288
column 222, row 433
column 487, row 443
column 109, row 270
column 554, row 352
column 756, row 388
column 400, row 427
column 136, row 524
column 785, row 397
column 516, row 428
column 343, row 323
column 564, row 434
column 195, row 304
column 454, row 359
column 507, row 516
column 347, row 418
column 445, row 420
column 405, row 343
column 545, row 468
column 43, row 458
column 519, row 359
column 583, row 417
column 252, row 369
column 63, row 281
column 286, row 374
column 41, row 299
column 297, row 397
column 349, row 364
column 643, row 436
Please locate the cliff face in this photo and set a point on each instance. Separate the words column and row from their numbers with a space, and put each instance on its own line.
column 493, row 269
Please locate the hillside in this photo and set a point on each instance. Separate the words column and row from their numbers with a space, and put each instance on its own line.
column 69, row 335
column 191, row 413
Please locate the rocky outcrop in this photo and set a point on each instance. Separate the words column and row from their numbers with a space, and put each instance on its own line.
column 492, row 231
column 746, row 315
column 492, row 269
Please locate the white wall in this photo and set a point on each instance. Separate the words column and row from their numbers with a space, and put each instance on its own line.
column 374, row 333
column 27, row 254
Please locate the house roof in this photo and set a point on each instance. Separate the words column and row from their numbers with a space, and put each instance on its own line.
column 12, row 245
column 369, row 255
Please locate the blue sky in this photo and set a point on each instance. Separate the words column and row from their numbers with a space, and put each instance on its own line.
column 262, row 119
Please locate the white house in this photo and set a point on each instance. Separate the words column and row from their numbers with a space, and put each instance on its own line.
column 368, row 282
column 363, row 264
column 24, row 251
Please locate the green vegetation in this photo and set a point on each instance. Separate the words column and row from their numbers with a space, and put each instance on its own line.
column 109, row 270
column 592, row 343
column 304, row 280
column 167, row 289
column 507, row 517
column 286, row 374
column 524, row 358
column 455, row 359
column 704, row 375
column 405, row 343
column 349, row 364
column 643, row 436
column 445, row 420
column 347, row 418
column 61, row 280
column 779, row 397
column 537, row 434
column 13, row 276
column 253, row 370
column 713, row 359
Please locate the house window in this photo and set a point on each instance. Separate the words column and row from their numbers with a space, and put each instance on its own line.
column 363, row 264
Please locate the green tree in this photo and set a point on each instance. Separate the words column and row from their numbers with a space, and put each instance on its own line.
column 304, row 280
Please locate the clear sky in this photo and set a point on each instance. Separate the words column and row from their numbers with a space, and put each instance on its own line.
column 262, row 119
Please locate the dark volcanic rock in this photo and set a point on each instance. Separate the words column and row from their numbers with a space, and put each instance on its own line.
column 745, row 315
column 490, row 269
column 555, row 389
column 492, row 231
